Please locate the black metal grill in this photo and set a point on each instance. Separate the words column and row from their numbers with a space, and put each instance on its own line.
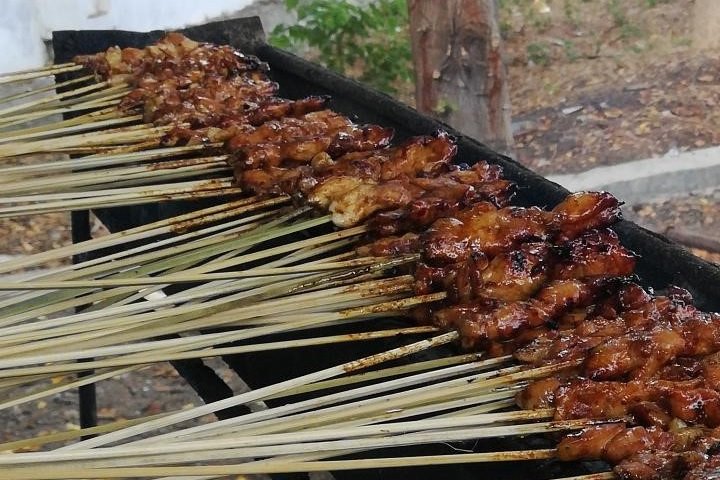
column 661, row 261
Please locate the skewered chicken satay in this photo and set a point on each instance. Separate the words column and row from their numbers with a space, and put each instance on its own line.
column 638, row 344
column 616, row 442
column 484, row 229
column 456, row 190
column 326, row 179
column 507, row 320
column 631, row 309
column 511, row 276
column 200, row 104
column 518, row 274
column 359, row 184
column 640, row 453
column 692, row 401
column 254, row 115
column 174, row 52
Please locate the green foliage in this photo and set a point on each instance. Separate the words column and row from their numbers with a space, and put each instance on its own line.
column 620, row 20
column 655, row 3
column 539, row 53
column 617, row 13
column 349, row 38
column 571, row 51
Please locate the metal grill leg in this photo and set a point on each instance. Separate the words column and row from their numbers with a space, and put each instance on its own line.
column 80, row 222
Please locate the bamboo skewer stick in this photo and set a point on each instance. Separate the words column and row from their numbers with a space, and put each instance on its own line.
column 372, row 393
column 433, row 398
column 148, row 174
column 75, row 143
column 274, row 467
column 260, row 393
column 144, row 232
column 47, row 88
column 192, row 252
column 73, row 434
column 120, row 196
column 179, row 278
column 123, row 311
column 216, row 352
column 35, row 115
column 86, row 380
column 116, row 201
column 96, row 115
column 260, row 231
column 105, row 332
column 198, row 251
column 94, row 161
column 71, row 129
column 384, row 373
column 89, row 99
column 46, row 72
column 150, row 190
column 52, row 98
column 325, row 440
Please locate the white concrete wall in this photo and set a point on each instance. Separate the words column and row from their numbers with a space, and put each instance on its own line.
column 24, row 24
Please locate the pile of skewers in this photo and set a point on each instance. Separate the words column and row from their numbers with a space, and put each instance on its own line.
column 547, row 298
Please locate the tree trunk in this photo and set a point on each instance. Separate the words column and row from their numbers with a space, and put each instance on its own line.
column 459, row 70
column 706, row 24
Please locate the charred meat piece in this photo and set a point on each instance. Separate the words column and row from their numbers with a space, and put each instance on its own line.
column 172, row 54
column 508, row 277
column 445, row 194
column 613, row 443
column 510, row 318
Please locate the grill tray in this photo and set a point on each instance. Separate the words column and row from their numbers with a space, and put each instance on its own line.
column 661, row 263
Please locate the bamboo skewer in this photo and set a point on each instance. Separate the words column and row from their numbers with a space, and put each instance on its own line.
column 260, row 393
column 150, row 190
column 145, row 232
column 119, row 176
column 85, row 333
column 70, row 129
column 90, row 117
column 47, row 88
column 179, row 278
column 274, row 467
column 200, row 251
column 86, row 380
column 376, row 393
column 52, row 98
column 75, row 143
column 449, row 394
column 46, row 72
column 45, row 203
column 214, row 352
column 386, row 435
column 98, row 108
column 386, row 372
column 73, row 434
column 193, row 252
column 94, row 161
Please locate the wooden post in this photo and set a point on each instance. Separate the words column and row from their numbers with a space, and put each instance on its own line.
column 460, row 76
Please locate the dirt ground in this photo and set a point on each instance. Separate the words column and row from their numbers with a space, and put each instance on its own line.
column 590, row 86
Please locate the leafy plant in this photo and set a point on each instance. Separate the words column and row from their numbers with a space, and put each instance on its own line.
column 571, row 51
column 369, row 42
column 538, row 53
